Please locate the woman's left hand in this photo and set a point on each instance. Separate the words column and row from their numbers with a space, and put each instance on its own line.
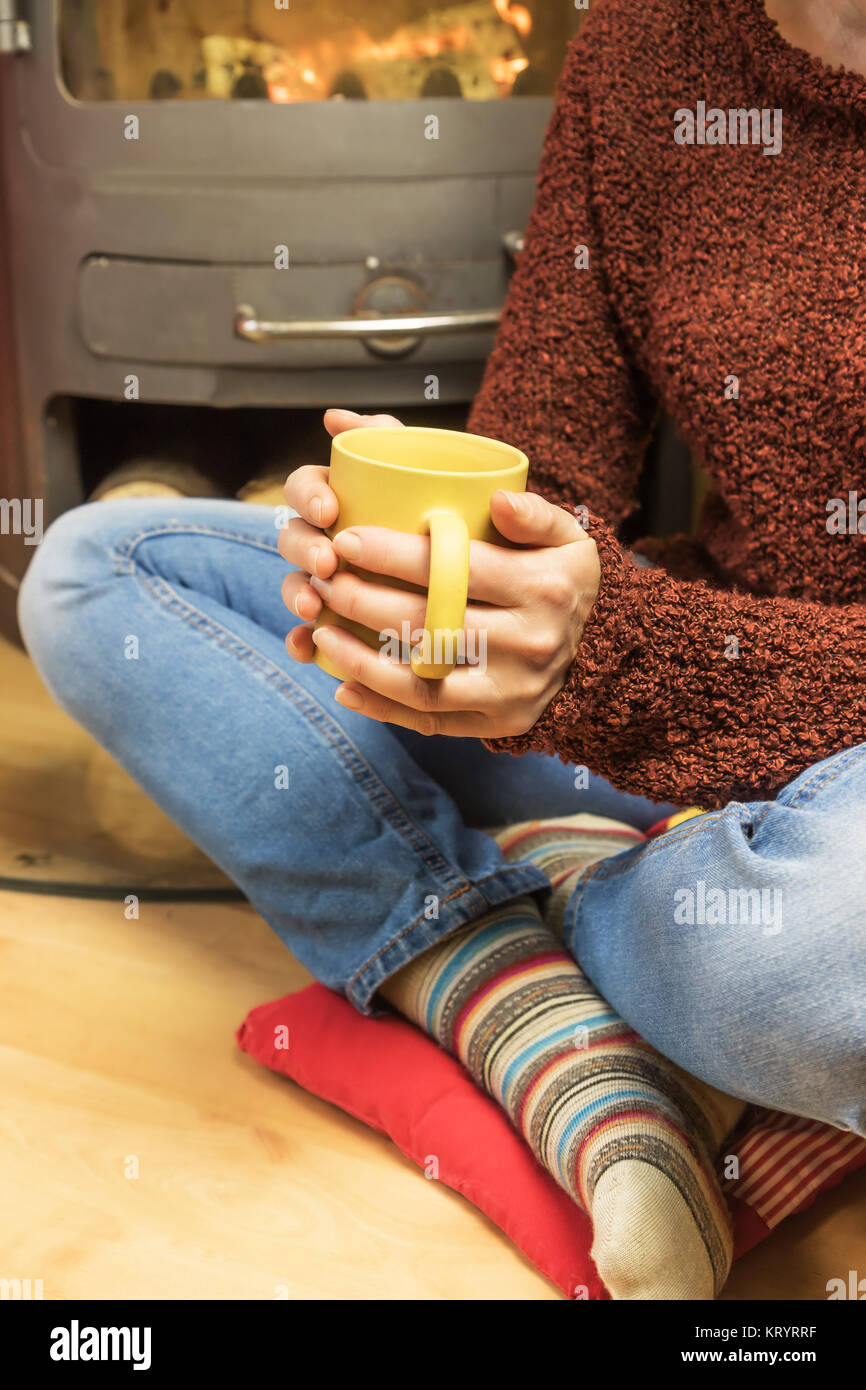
column 526, row 613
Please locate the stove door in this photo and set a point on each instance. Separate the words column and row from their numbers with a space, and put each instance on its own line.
column 189, row 144
column 312, row 50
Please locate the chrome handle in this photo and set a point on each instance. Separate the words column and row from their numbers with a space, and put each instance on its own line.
column 256, row 330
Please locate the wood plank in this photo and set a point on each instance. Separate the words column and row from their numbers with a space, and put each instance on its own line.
column 117, row 1039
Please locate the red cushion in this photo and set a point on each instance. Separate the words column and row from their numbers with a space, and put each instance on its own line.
column 390, row 1075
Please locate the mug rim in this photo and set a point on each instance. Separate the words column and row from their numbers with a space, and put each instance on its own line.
column 519, row 459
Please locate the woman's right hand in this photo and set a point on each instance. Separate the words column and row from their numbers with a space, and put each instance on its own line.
column 303, row 542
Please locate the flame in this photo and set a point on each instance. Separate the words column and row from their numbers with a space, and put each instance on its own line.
column 408, row 45
column 504, row 70
column 517, row 15
column 307, row 74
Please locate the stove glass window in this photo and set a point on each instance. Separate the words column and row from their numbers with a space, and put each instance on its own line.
column 313, row 50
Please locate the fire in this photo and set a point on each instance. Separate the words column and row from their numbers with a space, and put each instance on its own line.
column 504, row 70
column 405, row 44
column 460, row 35
column 517, row 15
column 286, row 83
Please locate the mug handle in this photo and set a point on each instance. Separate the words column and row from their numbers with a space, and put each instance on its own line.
column 447, row 592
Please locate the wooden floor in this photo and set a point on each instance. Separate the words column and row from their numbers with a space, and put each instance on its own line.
column 117, row 1056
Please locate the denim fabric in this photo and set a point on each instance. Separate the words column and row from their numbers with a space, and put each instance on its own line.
column 736, row 943
column 159, row 626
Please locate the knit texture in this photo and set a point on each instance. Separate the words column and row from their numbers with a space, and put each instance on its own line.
column 703, row 263
column 562, row 849
column 627, row 1134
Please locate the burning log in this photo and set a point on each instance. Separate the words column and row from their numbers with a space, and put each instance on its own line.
column 480, row 49
column 473, row 49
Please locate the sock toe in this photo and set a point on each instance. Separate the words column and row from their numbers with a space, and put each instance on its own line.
column 646, row 1244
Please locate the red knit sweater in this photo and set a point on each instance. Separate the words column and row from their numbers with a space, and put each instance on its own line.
column 706, row 262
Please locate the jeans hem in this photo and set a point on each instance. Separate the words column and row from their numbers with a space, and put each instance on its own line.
column 471, row 901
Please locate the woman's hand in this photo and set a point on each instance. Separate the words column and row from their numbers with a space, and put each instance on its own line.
column 526, row 613
column 303, row 542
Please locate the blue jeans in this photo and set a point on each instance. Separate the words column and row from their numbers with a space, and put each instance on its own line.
column 734, row 943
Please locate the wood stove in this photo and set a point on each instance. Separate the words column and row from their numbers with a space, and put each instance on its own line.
column 252, row 206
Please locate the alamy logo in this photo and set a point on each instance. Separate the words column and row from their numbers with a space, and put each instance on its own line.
column 739, row 126
column 77, row 1343
column 846, row 516
column 17, row 1289
column 466, row 648
column 855, row 1288
column 22, row 517
column 716, row 907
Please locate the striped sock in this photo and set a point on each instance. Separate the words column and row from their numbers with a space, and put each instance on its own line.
column 562, row 849
column 626, row 1133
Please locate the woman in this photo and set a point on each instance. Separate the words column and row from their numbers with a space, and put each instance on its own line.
column 697, row 242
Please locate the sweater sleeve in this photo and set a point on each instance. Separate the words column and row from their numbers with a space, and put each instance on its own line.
column 680, row 691
column 689, row 694
column 560, row 384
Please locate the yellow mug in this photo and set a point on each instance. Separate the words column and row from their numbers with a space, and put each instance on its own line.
column 423, row 481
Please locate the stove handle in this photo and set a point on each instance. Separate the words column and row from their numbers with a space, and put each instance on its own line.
column 256, row 330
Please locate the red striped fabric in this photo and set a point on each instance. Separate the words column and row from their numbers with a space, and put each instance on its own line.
column 784, row 1161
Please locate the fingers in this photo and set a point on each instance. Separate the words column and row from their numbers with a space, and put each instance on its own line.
column 337, row 420
column 302, row 542
column 306, row 489
column 383, row 608
column 299, row 643
column 494, row 574
column 528, row 519
column 307, row 492
column 300, row 598
column 307, row 547
column 468, row 724
column 466, row 689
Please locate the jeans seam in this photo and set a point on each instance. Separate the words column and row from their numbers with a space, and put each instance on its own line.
column 384, row 799
column 513, row 870
column 608, row 868
column 124, row 550
column 766, row 811
column 814, row 785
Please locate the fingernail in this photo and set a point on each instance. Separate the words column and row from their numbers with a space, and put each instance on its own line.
column 350, row 698
column 344, row 411
column 314, row 558
column 316, row 509
column 516, row 502
column 348, row 543
column 321, row 633
column 321, row 586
